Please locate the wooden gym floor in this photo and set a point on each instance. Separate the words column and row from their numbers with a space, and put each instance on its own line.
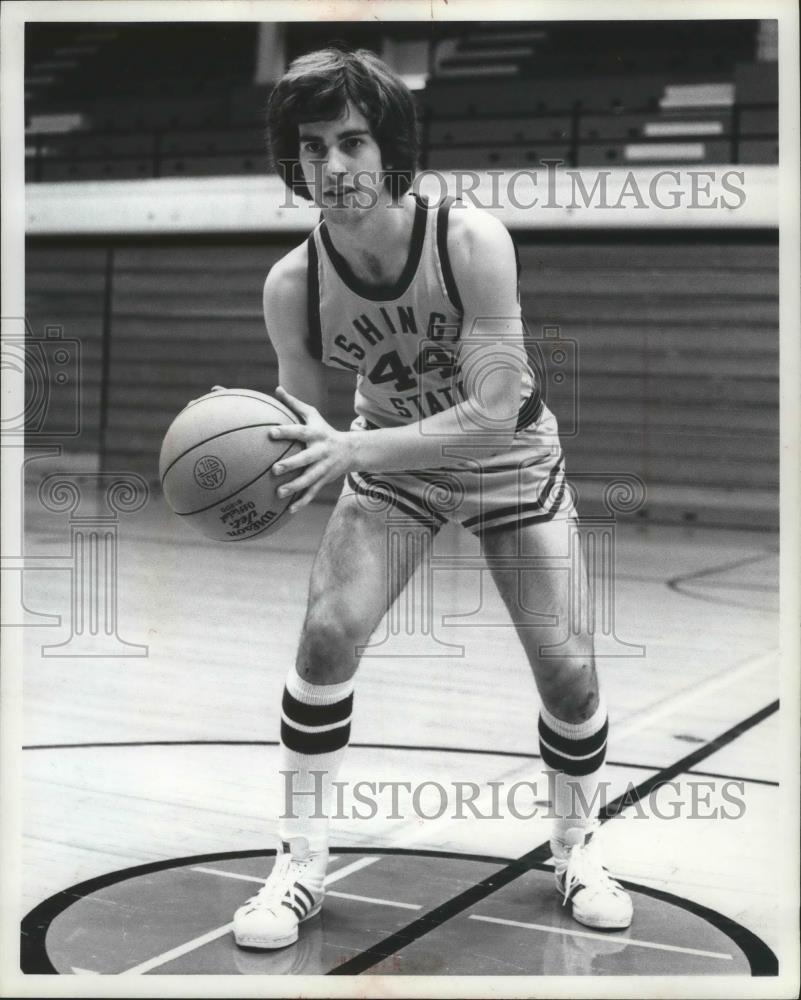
column 149, row 801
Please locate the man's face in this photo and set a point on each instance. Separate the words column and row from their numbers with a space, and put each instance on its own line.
column 341, row 162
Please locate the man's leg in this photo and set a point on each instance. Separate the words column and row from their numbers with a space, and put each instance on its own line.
column 573, row 721
column 351, row 588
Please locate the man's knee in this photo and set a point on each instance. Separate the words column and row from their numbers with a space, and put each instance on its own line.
column 328, row 650
column 569, row 689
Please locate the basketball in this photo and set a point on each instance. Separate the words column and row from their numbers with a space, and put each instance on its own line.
column 215, row 464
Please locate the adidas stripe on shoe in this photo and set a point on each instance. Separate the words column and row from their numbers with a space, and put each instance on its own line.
column 595, row 898
column 292, row 894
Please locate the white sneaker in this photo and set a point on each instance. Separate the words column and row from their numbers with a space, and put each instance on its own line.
column 293, row 892
column 596, row 899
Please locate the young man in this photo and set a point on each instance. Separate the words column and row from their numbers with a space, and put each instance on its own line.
column 421, row 302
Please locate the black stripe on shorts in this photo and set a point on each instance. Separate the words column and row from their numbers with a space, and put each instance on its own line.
column 530, row 411
column 403, row 500
column 520, row 522
column 484, row 522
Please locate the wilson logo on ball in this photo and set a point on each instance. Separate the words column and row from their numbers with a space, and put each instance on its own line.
column 209, row 472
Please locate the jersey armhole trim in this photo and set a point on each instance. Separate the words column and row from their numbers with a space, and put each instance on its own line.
column 315, row 341
column 442, row 250
column 517, row 266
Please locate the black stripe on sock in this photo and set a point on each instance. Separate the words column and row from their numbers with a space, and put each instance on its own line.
column 571, row 747
column 575, row 768
column 314, row 743
column 316, row 715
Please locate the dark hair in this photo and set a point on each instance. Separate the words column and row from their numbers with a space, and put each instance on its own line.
column 317, row 87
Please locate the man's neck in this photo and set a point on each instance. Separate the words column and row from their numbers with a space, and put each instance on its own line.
column 375, row 243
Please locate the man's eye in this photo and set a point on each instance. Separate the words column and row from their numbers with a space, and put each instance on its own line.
column 353, row 142
column 311, row 147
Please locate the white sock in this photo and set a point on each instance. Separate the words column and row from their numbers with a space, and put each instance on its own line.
column 576, row 752
column 315, row 729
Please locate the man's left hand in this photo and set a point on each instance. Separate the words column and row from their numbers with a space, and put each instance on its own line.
column 327, row 453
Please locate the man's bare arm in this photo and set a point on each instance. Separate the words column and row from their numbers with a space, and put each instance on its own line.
column 286, row 319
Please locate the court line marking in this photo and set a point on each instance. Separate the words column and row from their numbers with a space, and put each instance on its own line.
column 181, row 949
column 333, row 892
column 668, row 706
column 479, row 751
column 700, row 574
column 332, row 877
column 354, row 866
column 491, row 884
column 377, row 902
column 599, row 937
column 677, row 583
column 218, row 932
column 236, row 875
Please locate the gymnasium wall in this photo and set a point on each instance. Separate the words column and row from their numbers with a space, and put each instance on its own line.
column 152, row 219
column 675, row 338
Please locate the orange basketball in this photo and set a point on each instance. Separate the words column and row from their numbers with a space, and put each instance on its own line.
column 215, row 464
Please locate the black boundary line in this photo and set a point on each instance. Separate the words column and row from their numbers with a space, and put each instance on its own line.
column 522, row 755
column 676, row 583
column 763, row 963
column 759, row 235
column 673, row 582
column 761, row 587
column 735, row 777
column 722, row 601
column 34, row 959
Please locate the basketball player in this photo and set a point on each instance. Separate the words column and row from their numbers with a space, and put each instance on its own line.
column 421, row 302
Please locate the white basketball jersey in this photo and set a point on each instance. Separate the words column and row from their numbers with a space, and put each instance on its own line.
column 401, row 341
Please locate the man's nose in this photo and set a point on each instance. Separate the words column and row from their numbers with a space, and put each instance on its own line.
column 335, row 164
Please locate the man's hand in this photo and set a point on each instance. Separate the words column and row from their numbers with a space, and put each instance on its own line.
column 327, row 455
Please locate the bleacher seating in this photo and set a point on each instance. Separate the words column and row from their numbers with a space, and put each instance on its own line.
column 688, row 92
column 677, row 352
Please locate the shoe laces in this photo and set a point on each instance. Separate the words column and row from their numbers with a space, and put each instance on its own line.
column 280, row 881
column 582, row 867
